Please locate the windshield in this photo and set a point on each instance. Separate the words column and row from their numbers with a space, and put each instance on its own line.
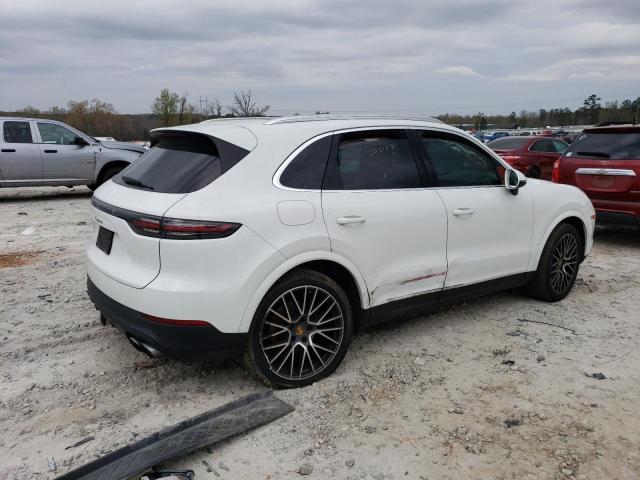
column 611, row 145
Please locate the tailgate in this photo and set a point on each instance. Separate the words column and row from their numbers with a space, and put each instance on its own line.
column 604, row 179
column 132, row 259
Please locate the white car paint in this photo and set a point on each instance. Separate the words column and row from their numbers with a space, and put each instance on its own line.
column 409, row 243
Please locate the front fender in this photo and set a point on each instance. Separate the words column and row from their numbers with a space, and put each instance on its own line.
column 587, row 225
column 289, row 265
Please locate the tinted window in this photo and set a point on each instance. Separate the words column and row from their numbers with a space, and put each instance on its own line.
column 543, row 146
column 459, row 164
column 17, row 132
column 181, row 164
column 306, row 170
column 614, row 145
column 560, row 146
column 379, row 159
column 56, row 134
column 508, row 143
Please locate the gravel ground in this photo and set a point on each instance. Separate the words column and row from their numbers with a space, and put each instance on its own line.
column 475, row 391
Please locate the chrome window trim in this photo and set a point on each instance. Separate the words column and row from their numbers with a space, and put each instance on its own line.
column 294, row 154
column 614, row 172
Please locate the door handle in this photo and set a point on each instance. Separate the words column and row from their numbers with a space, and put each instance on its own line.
column 461, row 212
column 51, row 151
column 8, row 150
column 349, row 219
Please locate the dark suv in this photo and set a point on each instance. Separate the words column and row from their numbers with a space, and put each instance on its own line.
column 605, row 163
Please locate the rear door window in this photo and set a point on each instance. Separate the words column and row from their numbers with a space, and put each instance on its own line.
column 17, row 132
column 181, row 163
column 608, row 145
column 373, row 160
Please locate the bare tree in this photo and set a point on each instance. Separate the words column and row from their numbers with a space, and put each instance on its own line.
column 185, row 110
column 244, row 106
column 213, row 109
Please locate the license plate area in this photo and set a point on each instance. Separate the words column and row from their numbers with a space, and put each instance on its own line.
column 105, row 240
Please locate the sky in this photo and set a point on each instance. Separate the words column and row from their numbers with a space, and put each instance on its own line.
column 419, row 57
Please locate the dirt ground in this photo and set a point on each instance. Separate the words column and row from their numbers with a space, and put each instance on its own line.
column 476, row 391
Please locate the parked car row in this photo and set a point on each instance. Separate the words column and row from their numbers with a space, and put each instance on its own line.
column 564, row 135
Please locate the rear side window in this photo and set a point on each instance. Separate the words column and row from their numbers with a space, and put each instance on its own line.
column 17, row 132
column 373, row 160
column 543, row 146
column 613, row 145
column 181, row 163
column 306, row 170
column 458, row 164
column 508, row 143
column 560, row 146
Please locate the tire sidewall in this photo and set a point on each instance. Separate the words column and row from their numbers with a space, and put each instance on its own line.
column 557, row 234
column 301, row 278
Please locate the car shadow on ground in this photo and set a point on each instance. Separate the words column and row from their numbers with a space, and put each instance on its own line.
column 17, row 195
column 614, row 237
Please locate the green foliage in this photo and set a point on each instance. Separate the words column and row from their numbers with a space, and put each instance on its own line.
column 591, row 112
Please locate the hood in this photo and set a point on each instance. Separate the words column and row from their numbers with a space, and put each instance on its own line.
column 123, row 146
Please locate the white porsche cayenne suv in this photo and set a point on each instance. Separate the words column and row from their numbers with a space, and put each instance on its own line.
column 277, row 238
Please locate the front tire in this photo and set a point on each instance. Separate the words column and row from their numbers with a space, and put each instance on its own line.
column 106, row 175
column 558, row 266
column 300, row 332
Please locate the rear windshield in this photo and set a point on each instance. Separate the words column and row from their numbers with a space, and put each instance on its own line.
column 181, row 163
column 508, row 143
column 613, row 145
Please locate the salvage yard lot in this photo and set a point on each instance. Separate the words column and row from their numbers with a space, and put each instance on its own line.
column 479, row 390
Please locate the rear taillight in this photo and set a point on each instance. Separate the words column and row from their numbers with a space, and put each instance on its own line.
column 169, row 228
column 555, row 173
column 196, row 229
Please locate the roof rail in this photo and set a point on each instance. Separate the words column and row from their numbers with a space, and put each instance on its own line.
column 324, row 117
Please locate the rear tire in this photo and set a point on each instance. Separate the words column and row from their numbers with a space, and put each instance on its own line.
column 558, row 266
column 300, row 332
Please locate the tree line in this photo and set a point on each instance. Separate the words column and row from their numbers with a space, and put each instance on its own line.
column 98, row 118
column 591, row 112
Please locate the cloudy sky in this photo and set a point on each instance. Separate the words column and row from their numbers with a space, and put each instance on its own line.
column 398, row 56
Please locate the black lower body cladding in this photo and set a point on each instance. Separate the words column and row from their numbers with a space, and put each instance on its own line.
column 182, row 343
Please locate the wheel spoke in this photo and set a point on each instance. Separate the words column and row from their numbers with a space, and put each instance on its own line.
column 328, row 337
column 279, row 315
column 294, row 346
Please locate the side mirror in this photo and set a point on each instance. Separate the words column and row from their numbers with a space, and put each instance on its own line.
column 80, row 141
column 514, row 180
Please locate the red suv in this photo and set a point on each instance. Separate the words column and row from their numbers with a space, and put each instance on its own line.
column 533, row 156
column 605, row 163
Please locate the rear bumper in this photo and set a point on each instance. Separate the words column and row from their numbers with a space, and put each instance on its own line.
column 177, row 342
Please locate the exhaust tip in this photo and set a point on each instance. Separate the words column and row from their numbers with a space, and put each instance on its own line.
column 143, row 347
